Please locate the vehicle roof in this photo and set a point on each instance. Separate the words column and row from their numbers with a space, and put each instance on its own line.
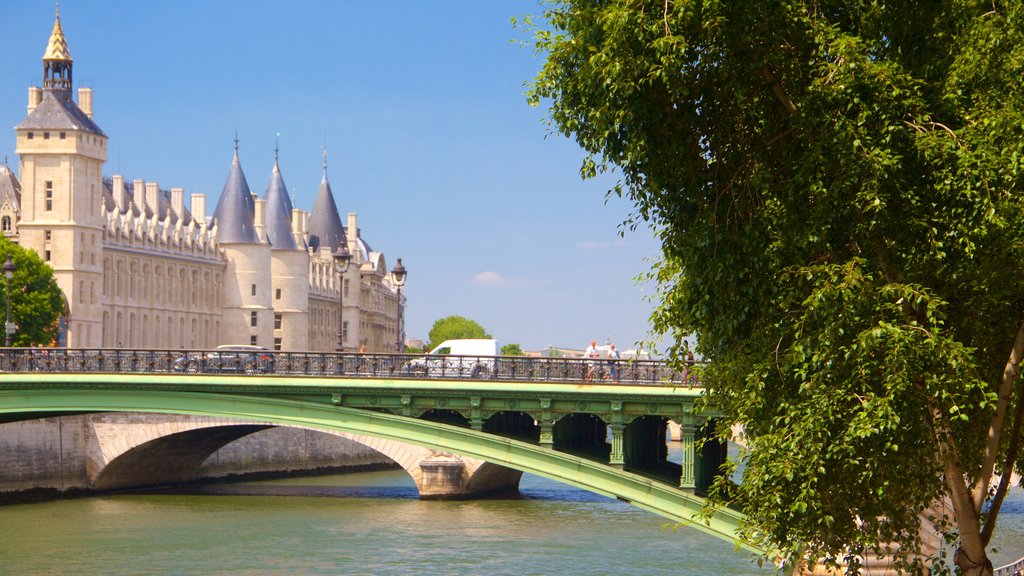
column 239, row 347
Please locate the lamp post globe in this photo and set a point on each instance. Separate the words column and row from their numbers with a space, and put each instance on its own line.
column 9, row 268
column 399, row 274
column 342, row 258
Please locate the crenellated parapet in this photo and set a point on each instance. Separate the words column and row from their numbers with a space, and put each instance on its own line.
column 142, row 216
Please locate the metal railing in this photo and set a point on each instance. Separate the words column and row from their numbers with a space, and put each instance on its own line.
column 396, row 366
column 1012, row 569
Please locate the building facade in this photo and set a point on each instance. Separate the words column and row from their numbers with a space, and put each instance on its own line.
column 140, row 269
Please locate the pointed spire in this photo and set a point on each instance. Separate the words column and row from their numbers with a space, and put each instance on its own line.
column 325, row 227
column 279, row 209
column 236, row 211
column 57, row 63
column 57, row 47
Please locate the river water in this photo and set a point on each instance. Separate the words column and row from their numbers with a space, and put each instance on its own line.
column 367, row 523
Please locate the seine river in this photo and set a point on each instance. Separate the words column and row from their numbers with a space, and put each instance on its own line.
column 366, row 523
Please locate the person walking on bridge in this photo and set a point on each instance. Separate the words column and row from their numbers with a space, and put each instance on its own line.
column 591, row 354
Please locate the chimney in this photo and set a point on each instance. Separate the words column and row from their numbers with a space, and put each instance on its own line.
column 35, row 96
column 85, row 101
column 353, row 230
column 138, row 196
column 153, row 197
column 178, row 202
column 260, row 219
column 300, row 239
column 199, row 209
column 120, row 195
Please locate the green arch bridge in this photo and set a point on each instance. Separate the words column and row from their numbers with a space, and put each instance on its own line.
column 550, row 417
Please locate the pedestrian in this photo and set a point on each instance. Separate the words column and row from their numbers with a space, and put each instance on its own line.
column 613, row 362
column 590, row 354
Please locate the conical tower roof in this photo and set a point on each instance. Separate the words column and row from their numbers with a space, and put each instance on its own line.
column 324, row 220
column 236, row 211
column 279, row 211
column 57, row 47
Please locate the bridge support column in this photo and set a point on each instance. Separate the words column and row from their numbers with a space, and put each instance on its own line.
column 617, row 457
column 688, row 478
column 547, row 434
column 547, row 425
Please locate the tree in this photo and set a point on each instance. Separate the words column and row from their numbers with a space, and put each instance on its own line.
column 455, row 327
column 511, row 350
column 837, row 188
column 36, row 300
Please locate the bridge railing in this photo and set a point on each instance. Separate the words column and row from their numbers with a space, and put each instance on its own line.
column 396, row 366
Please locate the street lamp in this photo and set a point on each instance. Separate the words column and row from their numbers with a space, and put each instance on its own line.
column 9, row 269
column 342, row 258
column 399, row 273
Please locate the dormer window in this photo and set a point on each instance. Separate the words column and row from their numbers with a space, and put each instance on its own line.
column 31, row 135
column 63, row 135
column 46, row 135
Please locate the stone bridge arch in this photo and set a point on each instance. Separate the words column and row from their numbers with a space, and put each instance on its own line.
column 129, row 450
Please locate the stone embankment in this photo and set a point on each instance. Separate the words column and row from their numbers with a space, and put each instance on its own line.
column 57, row 456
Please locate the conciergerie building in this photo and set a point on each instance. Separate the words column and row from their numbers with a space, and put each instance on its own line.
column 140, row 269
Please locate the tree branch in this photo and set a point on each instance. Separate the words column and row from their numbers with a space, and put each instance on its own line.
column 996, row 426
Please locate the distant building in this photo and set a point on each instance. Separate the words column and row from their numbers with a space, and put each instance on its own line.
column 139, row 269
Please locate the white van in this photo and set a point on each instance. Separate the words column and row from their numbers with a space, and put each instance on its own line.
column 469, row 358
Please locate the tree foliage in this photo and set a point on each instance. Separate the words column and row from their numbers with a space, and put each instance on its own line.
column 837, row 188
column 36, row 300
column 453, row 328
column 511, row 350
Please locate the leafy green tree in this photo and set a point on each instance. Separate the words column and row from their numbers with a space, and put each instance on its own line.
column 36, row 301
column 511, row 350
column 838, row 190
column 455, row 327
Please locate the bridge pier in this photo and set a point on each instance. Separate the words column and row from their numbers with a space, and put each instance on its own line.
column 688, row 478
column 618, row 456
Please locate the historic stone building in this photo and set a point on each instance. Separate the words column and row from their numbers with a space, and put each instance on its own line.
column 139, row 269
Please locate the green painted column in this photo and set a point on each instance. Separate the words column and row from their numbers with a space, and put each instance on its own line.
column 688, row 480
column 547, row 433
column 617, row 458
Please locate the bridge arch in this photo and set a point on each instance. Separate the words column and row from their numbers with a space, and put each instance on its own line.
column 125, row 451
column 666, row 501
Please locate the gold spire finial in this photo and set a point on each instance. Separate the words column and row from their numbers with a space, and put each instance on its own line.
column 57, row 47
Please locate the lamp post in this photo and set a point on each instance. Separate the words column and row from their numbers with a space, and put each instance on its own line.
column 342, row 258
column 399, row 274
column 9, row 269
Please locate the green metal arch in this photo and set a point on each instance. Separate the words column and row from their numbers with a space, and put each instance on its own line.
column 660, row 499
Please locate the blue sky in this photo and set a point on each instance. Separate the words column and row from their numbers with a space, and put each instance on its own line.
column 430, row 141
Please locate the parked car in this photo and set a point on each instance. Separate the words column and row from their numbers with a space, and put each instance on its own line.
column 468, row 358
column 232, row 358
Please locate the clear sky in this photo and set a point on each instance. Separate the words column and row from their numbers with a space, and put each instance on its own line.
column 430, row 140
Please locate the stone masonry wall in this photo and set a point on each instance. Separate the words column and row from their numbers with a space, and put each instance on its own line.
column 51, row 453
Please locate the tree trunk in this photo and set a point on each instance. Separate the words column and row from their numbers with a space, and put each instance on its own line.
column 969, row 566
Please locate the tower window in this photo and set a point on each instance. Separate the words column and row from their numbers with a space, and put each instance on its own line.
column 49, row 195
column 252, row 319
column 48, row 235
column 31, row 135
column 277, row 294
column 277, row 343
column 46, row 256
column 252, row 340
column 63, row 135
column 46, row 135
column 277, row 321
column 253, row 289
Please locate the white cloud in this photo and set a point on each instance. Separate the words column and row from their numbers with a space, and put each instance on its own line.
column 489, row 279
